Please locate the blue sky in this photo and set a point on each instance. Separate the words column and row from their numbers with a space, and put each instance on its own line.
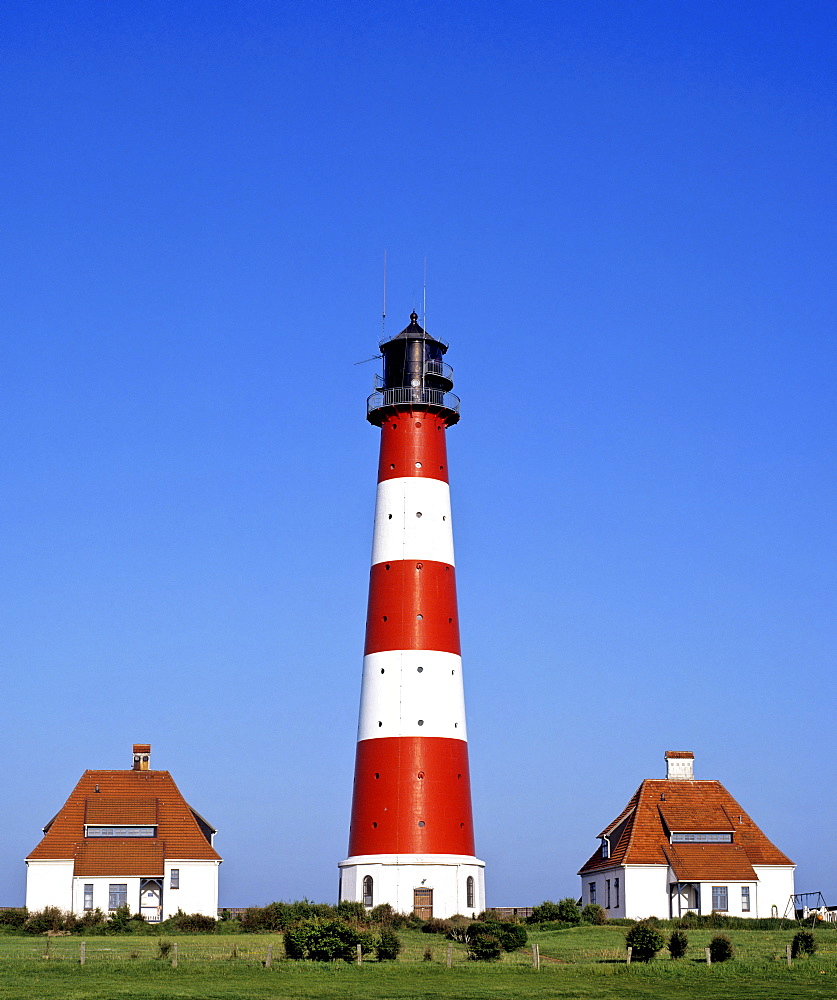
column 627, row 211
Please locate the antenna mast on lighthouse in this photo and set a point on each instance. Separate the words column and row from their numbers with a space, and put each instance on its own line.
column 411, row 840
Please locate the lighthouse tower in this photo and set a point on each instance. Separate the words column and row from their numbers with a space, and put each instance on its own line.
column 411, row 841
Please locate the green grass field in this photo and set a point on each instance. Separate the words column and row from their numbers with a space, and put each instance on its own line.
column 583, row 962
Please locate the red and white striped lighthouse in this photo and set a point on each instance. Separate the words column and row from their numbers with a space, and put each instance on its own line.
column 411, row 841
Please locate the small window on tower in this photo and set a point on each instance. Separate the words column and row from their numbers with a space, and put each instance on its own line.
column 469, row 892
column 367, row 891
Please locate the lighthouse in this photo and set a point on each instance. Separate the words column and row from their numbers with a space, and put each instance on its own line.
column 411, row 840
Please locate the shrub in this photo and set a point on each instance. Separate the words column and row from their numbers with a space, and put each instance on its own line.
column 92, row 918
column 678, row 943
column 511, row 936
column 193, row 923
column 385, row 915
column 645, row 940
column 483, row 945
column 568, row 911
column 428, row 954
column 323, row 940
column 547, row 910
column 435, row 925
column 388, row 946
column 592, row 913
column 50, row 918
column 803, row 944
column 720, row 948
column 14, row 916
column 163, row 948
column 352, row 912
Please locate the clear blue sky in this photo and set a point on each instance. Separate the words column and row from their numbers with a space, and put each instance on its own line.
column 628, row 215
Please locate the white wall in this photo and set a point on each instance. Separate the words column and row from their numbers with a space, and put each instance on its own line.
column 49, row 883
column 600, row 879
column 775, row 888
column 646, row 891
column 394, row 881
column 198, row 892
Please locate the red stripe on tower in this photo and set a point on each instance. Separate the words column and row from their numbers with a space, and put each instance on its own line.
column 411, row 842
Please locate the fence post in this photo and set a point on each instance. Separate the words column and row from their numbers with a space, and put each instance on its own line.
column 630, row 951
column 268, row 962
column 46, row 948
column 450, row 955
column 360, row 954
column 536, row 956
column 789, row 955
column 82, row 953
column 708, row 956
column 174, row 955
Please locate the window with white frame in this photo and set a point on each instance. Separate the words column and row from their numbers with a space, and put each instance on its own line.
column 701, row 838
column 591, row 892
column 117, row 895
column 120, row 831
column 719, row 897
column 616, row 891
column 607, row 893
column 745, row 899
column 88, row 896
column 174, row 878
column 367, row 891
column 469, row 892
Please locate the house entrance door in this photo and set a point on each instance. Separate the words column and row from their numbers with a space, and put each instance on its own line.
column 151, row 899
column 423, row 903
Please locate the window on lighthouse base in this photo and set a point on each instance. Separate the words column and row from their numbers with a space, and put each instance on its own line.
column 469, row 892
column 367, row 891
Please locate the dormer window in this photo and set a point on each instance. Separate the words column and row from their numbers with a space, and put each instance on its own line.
column 701, row 838
column 605, row 847
column 120, row 831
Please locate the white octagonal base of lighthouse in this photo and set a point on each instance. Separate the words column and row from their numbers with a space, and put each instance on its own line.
column 431, row 886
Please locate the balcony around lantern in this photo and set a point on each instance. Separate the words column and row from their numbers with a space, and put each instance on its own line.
column 409, row 396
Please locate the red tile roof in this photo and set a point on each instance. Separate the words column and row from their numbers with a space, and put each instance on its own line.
column 640, row 834
column 125, row 798
column 118, row 857
column 702, row 862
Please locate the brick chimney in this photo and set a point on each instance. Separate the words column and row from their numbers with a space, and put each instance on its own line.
column 680, row 765
column 142, row 756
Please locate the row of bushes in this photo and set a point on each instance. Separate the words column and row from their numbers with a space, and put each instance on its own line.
column 645, row 940
column 567, row 912
column 94, row 922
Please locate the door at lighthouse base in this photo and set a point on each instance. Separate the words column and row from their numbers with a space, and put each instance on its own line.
column 423, row 903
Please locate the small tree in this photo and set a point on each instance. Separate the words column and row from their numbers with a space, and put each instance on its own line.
column 592, row 913
column 324, row 940
column 645, row 941
column 483, row 944
column 720, row 948
column 803, row 944
column 678, row 943
column 388, row 946
column 543, row 912
column 568, row 911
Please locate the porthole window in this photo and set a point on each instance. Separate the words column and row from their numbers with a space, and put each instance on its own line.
column 421, row 822
column 419, row 565
column 444, row 517
column 420, row 669
column 392, row 465
column 389, row 518
column 382, row 669
column 418, row 513
column 377, row 775
column 421, row 722
column 421, row 774
column 380, row 724
column 418, row 423
column 385, row 618
column 418, row 465
column 456, row 725
column 419, row 618
column 387, row 565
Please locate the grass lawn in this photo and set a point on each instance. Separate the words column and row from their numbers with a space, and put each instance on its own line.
column 584, row 962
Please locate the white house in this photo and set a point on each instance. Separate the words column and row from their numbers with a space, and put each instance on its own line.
column 682, row 846
column 126, row 838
